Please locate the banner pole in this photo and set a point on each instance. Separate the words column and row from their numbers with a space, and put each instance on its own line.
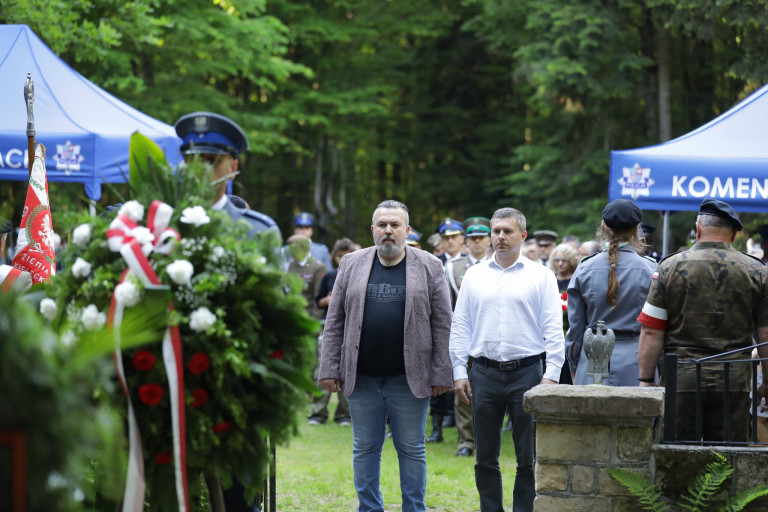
column 29, row 98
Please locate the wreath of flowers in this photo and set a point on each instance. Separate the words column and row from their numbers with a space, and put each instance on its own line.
column 246, row 340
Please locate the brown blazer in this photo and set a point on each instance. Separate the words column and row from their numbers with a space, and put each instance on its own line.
column 427, row 322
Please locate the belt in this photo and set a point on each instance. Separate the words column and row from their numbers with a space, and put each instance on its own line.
column 509, row 366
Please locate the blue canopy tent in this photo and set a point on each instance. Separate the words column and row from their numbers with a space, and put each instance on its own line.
column 725, row 159
column 86, row 131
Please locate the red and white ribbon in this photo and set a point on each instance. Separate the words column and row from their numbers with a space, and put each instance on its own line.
column 135, row 255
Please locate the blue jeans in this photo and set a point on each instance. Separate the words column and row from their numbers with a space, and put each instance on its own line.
column 493, row 393
column 369, row 404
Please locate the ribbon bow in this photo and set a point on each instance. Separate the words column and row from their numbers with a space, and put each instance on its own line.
column 134, row 245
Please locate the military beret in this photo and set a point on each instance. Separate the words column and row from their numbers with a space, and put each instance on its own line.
column 477, row 226
column 622, row 214
column 545, row 236
column 210, row 134
column 304, row 219
column 720, row 209
column 5, row 226
column 450, row 227
column 414, row 237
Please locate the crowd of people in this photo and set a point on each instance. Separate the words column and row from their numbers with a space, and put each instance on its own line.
column 461, row 327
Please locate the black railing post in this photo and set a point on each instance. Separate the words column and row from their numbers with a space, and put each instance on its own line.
column 272, row 477
column 699, row 419
column 670, row 397
column 726, row 402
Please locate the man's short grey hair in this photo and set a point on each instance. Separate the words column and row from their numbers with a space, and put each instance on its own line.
column 713, row 221
column 393, row 205
column 506, row 213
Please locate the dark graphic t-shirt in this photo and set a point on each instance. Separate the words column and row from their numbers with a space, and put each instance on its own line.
column 381, row 340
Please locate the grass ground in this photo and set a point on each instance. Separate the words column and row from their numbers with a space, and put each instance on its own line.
column 314, row 473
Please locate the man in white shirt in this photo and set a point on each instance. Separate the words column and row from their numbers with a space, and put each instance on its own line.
column 508, row 317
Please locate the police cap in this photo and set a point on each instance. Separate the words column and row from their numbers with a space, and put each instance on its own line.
column 622, row 214
column 648, row 229
column 720, row 209
column 450, row 227
column 413, row 239
column 210, row 134
column 477, row 226
column 304, row 219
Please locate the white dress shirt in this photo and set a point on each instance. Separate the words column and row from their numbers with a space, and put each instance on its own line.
column 509, row 313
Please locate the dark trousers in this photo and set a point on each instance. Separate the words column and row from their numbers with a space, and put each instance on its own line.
column 713, row 413
column 493, row 393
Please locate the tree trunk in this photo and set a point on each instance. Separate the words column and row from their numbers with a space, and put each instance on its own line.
column 663, row 61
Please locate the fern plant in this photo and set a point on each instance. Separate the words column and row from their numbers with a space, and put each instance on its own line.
column 698, row 495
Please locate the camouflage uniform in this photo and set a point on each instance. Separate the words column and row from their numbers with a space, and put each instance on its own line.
column 715, row 297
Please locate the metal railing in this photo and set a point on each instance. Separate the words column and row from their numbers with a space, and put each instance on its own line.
column 671, row 366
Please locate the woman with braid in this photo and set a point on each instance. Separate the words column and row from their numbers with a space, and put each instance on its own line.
column 611, row 286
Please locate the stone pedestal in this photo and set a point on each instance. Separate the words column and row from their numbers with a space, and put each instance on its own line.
column 581, row 432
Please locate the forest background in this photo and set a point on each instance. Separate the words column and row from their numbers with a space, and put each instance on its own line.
column 455, row 107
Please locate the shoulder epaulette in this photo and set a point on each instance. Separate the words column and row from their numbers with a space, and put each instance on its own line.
column 649, row 258
column 259, row 217
column 585, row 258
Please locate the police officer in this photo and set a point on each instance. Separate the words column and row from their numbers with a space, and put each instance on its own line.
column 610, row 286
column 414, row 239
column 451, row 238
column 704, row 301
column 218, row 140
column 304, row 224
column 545, row 239
column 478, row 239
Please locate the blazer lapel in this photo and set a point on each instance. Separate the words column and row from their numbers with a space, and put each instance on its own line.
column 411, row 272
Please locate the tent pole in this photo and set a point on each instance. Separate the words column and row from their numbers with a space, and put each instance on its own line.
column 92, row 209
column 665, row 238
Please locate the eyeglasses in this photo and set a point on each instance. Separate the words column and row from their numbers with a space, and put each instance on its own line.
column 560, row 260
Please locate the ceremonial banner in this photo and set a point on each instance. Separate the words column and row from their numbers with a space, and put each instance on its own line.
column 34, row 248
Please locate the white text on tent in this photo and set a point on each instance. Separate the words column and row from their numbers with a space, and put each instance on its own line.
column 699, row 186
column 15, row 158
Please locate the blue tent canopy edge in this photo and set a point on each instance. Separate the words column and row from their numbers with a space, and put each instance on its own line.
column 85, row 129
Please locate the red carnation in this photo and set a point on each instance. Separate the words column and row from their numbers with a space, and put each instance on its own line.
column 151, row 394
column 163, row 458
column 199, row 363
column 564, row 298
column 199, row 397
column 222, row 427
column 144, row 360
column 277, row 354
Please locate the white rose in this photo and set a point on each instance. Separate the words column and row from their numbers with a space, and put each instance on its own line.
column 48, row 308
column 180, row 271
column 142, row 235
column 133, row 209
column 68, row 338
column 92, row 319
column 82, row 234
column 201, row 319
column 81, row 268
column 127, row 293
column 195, row 215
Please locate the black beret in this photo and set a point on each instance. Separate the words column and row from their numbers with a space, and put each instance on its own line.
column 622, row 214
column 720, row 209
column 5, row 227
column 211, row 134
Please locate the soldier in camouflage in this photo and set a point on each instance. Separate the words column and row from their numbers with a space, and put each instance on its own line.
column 702, row 302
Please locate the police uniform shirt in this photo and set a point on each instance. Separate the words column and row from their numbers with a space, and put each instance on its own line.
column 258, row 221
column 587, row 303
column 709, row 299
column 455, row 269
